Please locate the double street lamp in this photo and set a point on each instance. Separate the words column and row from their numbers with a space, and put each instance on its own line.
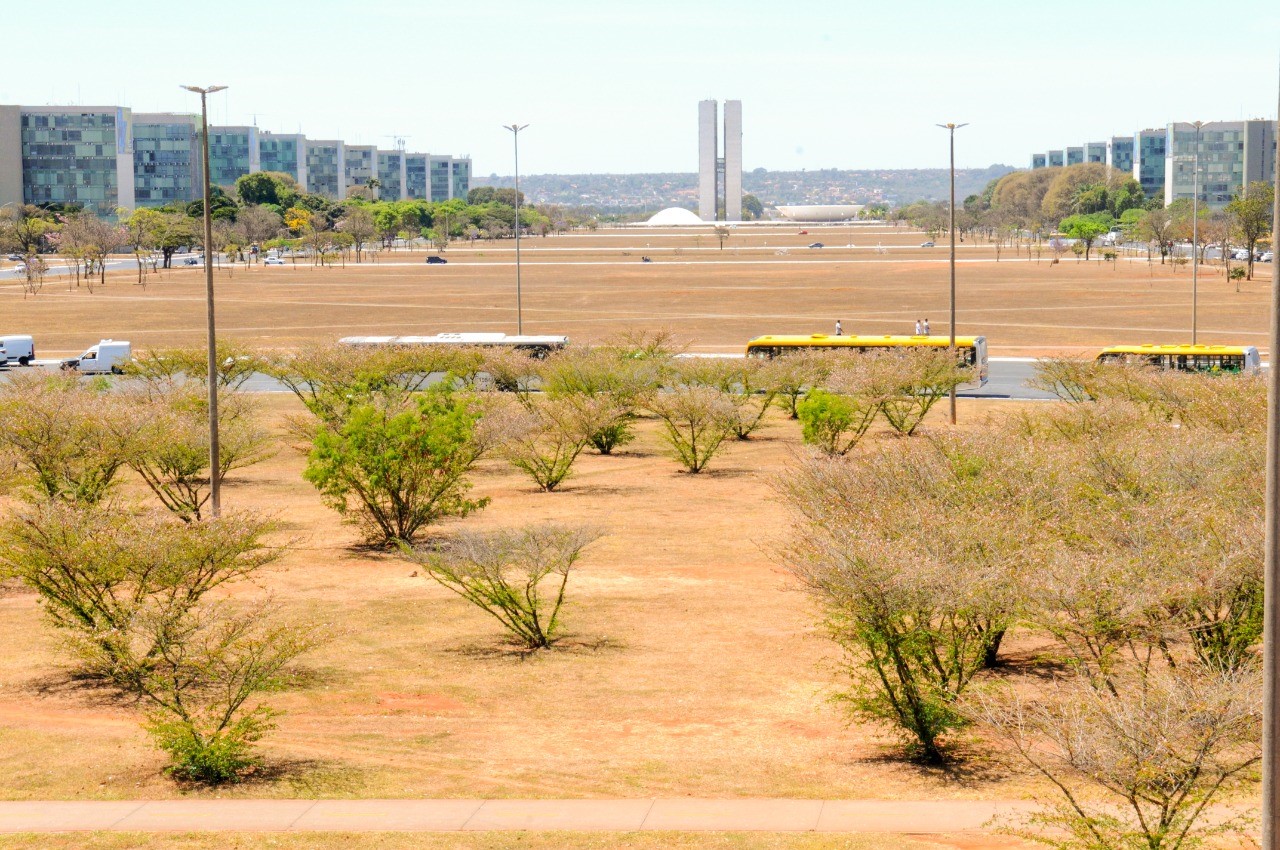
column 515, row 136
column 215, row 480
column 951, row 227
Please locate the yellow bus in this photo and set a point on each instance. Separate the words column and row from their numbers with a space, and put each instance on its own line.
column 1187, row 358
column 971, row 349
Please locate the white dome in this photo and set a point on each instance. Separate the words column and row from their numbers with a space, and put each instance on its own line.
column 675, row 216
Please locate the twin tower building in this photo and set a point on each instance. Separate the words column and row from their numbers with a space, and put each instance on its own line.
column 720, row 168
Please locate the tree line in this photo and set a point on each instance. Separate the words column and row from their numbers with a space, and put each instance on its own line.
column 1084, row 202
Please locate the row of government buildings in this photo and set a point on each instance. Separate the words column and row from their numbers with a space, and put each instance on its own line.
column 109, row 157
column 1230, row 154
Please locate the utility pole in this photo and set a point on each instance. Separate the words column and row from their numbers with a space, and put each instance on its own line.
column 1271, row 615
column 951, row 227
column 515, row 135
column 1195, row 235
column 215, row 479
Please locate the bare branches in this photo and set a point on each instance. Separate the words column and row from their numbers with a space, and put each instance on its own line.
column 504, row 573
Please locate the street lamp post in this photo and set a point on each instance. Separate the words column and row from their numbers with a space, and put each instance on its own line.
column 951, row 227
column 1271, row 576
column 515, row 136
column 1195, row 234
column 215, row 482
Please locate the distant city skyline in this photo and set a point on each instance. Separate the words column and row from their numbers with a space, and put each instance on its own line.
column 613, row 88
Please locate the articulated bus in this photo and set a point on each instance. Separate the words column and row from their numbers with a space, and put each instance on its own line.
column 972, row 350
column 534, row 346
column 1232, row 359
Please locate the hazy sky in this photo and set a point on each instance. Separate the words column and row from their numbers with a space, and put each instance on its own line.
column 613, row 86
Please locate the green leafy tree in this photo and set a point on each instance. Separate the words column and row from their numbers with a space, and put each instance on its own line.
column 835, row 423
column 268, row 187
column 1251, row 214
column 392, row 468
column 752, row 209
column 1087, row 228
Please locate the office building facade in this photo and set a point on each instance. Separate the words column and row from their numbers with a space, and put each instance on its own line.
column 1219, row 158
column 167, row 163
column 1055, row 159
column 1075, row 155
column 360, row 164
column 1037, row 161
column 233, row 153
column 720, row 175
column 68, row 156
column 1120, row 153
column 1095, row 152
column 284, row 153
column 107, row 158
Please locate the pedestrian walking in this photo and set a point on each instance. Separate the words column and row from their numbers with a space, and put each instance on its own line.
column 926, row 327
column 919, row 328
column 839, row 328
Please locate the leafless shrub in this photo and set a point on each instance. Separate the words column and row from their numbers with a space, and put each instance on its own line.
column 549, row 434
column 66, row 440
column 696, row 421
column 171, row 452
column 1162, row 747
column 504, row 573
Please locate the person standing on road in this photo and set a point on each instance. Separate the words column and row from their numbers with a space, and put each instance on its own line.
column 926, row 327
column 919, row 328
column 839, row 328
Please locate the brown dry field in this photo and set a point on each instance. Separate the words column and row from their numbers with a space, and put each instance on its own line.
column 590, row 286
column 692, row 667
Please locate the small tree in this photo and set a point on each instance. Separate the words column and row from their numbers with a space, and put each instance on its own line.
column 103, row 570
column 172, row 444
column 67, row 440
column 503, row 573
column 201, row 686
column 547, row 437
column 722, row 233
column 391, row 468
column 696, row 421
column 910, row 383
column 836, row 423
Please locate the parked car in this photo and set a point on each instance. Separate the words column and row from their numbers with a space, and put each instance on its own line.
column 273, row 261
column 804, row 233
column 436, row 260
column 1240, row 254
column 192, row 261
column 926, row 244
column 1267, row 257
column 816, row 245
column 15, row 257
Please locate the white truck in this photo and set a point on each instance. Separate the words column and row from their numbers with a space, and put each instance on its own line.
column 18, row 349
column 109, row 355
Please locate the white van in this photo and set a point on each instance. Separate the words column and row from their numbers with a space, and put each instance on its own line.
column 19, row 349
column 110, row 355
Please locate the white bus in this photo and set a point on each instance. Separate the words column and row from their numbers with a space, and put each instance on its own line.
column 535, row 346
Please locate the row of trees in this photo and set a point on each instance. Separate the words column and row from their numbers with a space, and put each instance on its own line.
column 128, row 581
column 1086, row 201
column 1082, row 582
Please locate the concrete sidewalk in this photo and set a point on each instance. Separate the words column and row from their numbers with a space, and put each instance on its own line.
column 680, row 815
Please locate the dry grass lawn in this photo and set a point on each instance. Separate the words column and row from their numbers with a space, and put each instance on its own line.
column 590, row 286
column 692, row 667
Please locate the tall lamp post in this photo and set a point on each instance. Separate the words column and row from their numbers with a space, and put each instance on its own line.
column 1195, row 234
column 951, row 227
column 515, row 136
column 1271, row 611
column 215, row 482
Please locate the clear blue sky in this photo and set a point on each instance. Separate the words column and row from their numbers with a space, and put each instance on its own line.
column 611, row 86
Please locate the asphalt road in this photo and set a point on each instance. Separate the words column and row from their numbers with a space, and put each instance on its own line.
column 1006, row 379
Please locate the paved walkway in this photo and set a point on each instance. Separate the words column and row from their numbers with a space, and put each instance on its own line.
column 682, row 815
